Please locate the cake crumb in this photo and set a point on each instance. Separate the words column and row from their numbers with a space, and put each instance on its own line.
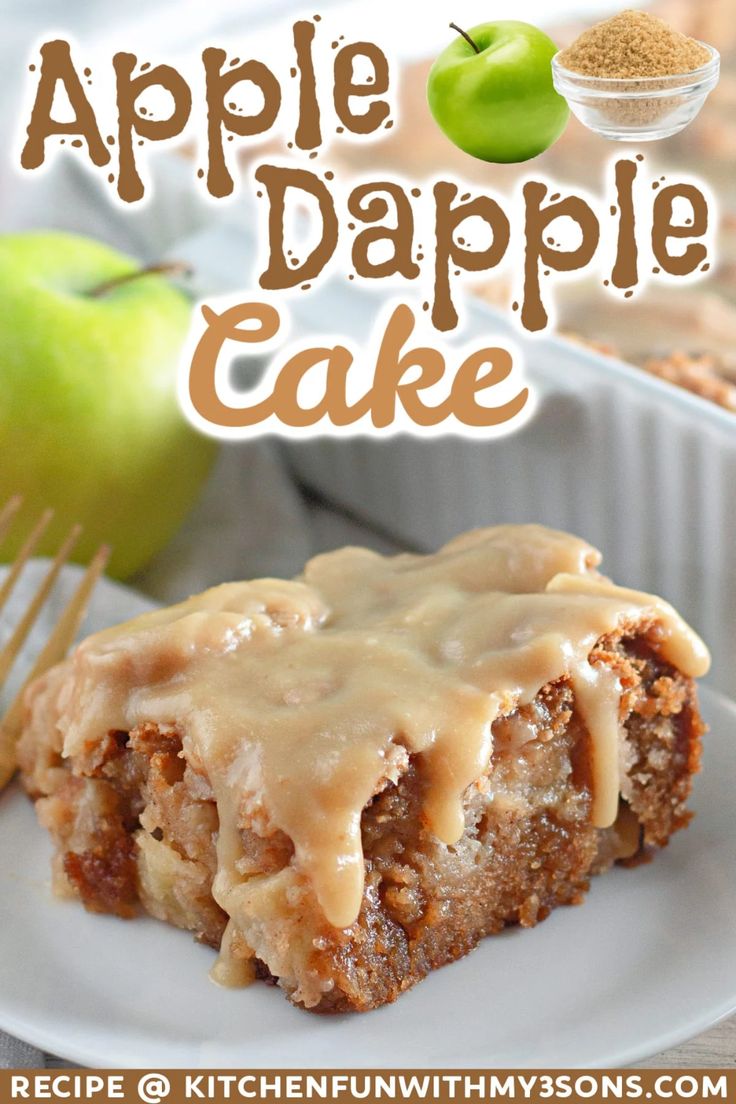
column 698, row 374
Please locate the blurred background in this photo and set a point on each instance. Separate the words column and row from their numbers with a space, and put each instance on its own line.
column 646, row 472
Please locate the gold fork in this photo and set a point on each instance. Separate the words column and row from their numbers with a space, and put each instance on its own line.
column 64, row 631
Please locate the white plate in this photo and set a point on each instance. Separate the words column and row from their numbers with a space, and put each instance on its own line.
column 648, row 961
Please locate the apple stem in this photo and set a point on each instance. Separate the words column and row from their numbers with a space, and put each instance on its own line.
column 166, row 268
column 466, row 36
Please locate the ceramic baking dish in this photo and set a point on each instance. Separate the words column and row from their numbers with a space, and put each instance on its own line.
column 644, row 470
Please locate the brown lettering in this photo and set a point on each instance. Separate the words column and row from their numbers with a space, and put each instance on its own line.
column 333, row 404
column 221, row 328
column 57, row 65
column 130, row 123
column 537, row 249
column 218, row 84
column 346, row 87
column 277, row 181
column 625, row 271
column 365, row 204
column 308, row 132
column 450, row 254
column 663, row 229
column 259, row 322
column 392, row 365
column 469, row 381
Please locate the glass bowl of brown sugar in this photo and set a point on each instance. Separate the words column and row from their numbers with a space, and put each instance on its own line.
column 641, row 109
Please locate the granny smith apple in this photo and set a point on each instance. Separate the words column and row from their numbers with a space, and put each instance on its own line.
column 491, row 92
column 89, row 419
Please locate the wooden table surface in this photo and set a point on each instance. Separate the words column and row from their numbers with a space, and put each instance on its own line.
column 716, row 1047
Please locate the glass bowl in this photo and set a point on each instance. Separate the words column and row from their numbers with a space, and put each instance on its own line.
column 640, row 109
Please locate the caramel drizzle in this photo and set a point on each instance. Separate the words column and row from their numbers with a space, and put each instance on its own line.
column 297, row 700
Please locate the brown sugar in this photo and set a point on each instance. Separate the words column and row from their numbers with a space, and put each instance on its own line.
column 633, row 44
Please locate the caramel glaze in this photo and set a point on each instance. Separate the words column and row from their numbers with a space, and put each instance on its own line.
column 298, row 700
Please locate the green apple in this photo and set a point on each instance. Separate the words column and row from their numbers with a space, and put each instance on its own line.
column 491, row 92
column 89, row 419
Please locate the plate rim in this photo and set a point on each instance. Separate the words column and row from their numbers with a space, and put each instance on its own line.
column 53, row 1036
column 47, row 1041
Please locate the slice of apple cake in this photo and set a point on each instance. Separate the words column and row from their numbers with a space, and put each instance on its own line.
column 345, row 781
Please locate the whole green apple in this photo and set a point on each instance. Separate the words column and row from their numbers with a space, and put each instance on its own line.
column 491, row 92
column 89, row 418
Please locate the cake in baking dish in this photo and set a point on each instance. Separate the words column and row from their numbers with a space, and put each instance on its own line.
column 345, row 781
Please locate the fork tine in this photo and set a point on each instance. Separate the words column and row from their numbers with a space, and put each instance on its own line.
column 29, row 547
column 7, row 514
column 26, row 623
column 53, row 652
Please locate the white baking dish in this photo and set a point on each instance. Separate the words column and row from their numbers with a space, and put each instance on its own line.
column 643, row 470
